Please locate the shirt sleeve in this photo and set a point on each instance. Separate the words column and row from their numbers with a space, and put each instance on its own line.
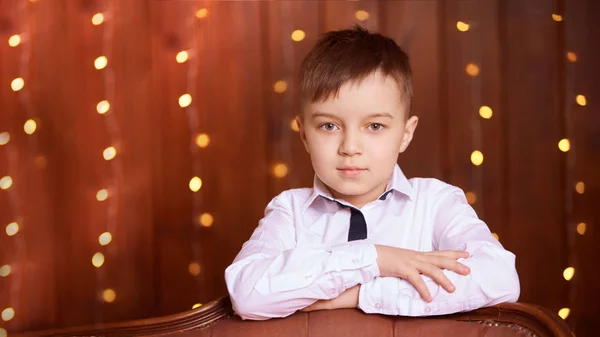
column 273, row 277
column 493, row 278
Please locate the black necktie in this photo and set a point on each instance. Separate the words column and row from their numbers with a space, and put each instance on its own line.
column 358, row 225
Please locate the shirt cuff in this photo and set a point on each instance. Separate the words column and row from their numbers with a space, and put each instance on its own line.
column 356, row 263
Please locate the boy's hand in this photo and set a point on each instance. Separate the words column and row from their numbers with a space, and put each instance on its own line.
column 347, row 299
column 409, row 265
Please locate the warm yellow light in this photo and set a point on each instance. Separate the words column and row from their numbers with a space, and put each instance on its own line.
column 280, row 170
column 30, row 126
column 298, row 35
column 206, row 219
column 202, row 13
column 194, row 268
column 195, row 184
column 202, row 140
column 185, row 100
column 294, row 125
column 197, row 305
column 564, row 145
column 182, row 56
column 100, row 62
column 14, row 40
column 4, row 138
column 102, row 107
column 105, row 238
column 109, row 153
column 5, row 182
column 568, row 273
column 581, row 228
column 485, row 112
column 5, row 270
column 12, row 228
column 496, row 236
column 97, row 19
column 361, row 15
column 564, row 313
column 3, row 332
column 557, row 17
column 109, row 295
column 8, row 314
column 102, row 194
column 17, row 84
column 98, row 260
column 581, row 100
column 571, row 56
column 580, row 187
column 280, row 86
column 472, row 69
column 471, row 197
column 462, row 26
column 476, row 157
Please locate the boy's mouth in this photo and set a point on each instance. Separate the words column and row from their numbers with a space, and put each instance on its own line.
column 351, row 171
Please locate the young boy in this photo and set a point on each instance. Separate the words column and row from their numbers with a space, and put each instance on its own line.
column 364, row 236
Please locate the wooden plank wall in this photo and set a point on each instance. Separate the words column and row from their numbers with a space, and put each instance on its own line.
column 242, row 76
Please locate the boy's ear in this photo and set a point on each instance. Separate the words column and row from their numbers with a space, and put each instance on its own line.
column 302, row 131
column 409, row 131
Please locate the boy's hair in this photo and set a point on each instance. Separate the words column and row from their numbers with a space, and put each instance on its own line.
column 350, row 55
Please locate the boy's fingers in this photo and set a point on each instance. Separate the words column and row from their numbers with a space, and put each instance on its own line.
column 453, row 254
column 438, row 276
column 417, row 282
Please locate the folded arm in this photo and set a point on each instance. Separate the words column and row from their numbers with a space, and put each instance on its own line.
column 271, row 277
column 493, row 278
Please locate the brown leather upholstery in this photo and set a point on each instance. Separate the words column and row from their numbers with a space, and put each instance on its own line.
column 216, row 319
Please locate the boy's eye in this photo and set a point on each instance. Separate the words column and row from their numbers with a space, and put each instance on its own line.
column 328, row 126
column 376, row 126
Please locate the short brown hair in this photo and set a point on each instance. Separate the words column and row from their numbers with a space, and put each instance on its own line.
column 351, row 55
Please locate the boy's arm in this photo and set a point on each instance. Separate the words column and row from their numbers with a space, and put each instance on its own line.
column 271, row 277
column 493, row 278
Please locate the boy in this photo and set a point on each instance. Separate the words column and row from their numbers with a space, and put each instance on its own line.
column 365, row 236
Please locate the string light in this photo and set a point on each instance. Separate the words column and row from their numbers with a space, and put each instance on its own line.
column 109, row 196
column 580, row 187
column 568, row 273
column 198, row 140
column 485, row 112
column 557, row 17
column 472, row 69
column 197, row 305
column 581, row 100
column 22, row 41
column 206, row 219
column 581, row 227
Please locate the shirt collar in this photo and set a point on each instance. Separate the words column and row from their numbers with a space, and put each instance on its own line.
column 398, row 182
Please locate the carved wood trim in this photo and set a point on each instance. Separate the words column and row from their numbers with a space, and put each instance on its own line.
column 532, row 318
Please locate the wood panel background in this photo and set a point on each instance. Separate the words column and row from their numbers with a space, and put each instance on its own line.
column 525, row 189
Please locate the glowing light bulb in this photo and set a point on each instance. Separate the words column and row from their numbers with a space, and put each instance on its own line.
column 182, row 56
column 298, row 35
column 97, row 19
column 14, row 40
column 280, row 170
column 6, row 182
column 568, row 273
column 195, row 184
column 30, row 126
column 98, row 260
column 280, row 87
column 102, row 107
column 4, row 138
column 485, row 112
column 185, row 100
column 564, row 145
column 100, row 62
column 361, row 15
column 105, row 238
column 17, row 84
column 462, row 26
column 476, row 157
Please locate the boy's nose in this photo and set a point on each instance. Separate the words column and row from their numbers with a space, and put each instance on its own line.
column 351, row 144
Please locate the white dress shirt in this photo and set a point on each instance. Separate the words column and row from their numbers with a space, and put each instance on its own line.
column 300, row 253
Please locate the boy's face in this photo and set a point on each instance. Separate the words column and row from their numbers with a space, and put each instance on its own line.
column 354, row 139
